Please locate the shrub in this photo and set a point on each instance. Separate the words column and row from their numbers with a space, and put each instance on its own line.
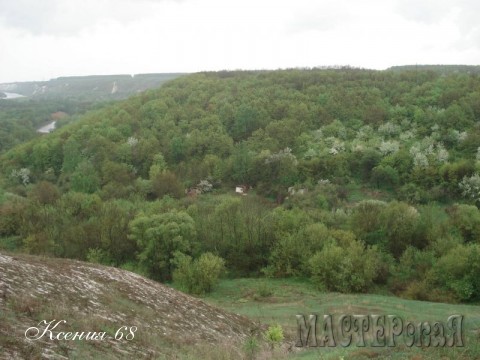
column 99, row 256
column 274, row 335
column 400, row 223
column 417, row 290
column 263, row 291
column 349, row 269
column 290, row 254
column 458, row 272
column 384, row 176
column 413, row 194
column 365, row 221
column 466, row 218
column 413, row 265
column 197, row 276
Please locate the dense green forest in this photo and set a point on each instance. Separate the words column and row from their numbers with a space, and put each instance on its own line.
column 363, row 181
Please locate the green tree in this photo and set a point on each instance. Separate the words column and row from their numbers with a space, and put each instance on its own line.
column 400, row 224
column 159, row 237
column 113, row 219
column 366, row 222
column 384, row 176
column 85, row 178
column 71, row 155
column 159, row 165
column 166, row 183
column 242, row 163
column 44, row 193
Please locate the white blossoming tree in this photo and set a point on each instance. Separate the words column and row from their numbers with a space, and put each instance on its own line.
column 470, row 187
column 389, row 147
column 389, row 129
column 23, row 175
column 132, row 141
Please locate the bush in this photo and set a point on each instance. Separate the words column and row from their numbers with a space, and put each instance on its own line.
column 400, row 223
column 99, row 256
column 263, row 291
column 384, row 176
column 417, row 290
column 466, row 218
column 413, row 265
column 197, row 276
column 349, row 269
column 413, row 194
column 365, row 221
column 274, row 335
column 458, row 272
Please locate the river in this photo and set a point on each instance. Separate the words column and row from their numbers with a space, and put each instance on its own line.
column 47, row 128
column 10, row 95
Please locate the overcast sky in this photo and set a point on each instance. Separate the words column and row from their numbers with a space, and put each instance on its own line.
column 44, row 39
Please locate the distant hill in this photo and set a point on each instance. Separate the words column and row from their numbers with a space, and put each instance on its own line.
column 444, row 69
column 103, row 299
column 27, row 106
column 89, row 88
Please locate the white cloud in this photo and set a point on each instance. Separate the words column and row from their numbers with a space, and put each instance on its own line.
column 424, row 11
column 69, row 16
column 68, row 37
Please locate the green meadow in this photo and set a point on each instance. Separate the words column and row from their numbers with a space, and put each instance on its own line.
column 277, row 301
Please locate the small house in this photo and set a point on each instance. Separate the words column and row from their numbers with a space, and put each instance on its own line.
column 241, row 189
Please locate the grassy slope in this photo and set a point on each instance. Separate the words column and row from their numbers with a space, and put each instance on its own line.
column 286, row 298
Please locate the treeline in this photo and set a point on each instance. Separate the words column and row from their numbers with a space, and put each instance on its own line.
column 442, row 69
column 360, row 179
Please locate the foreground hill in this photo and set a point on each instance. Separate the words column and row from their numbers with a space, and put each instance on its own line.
column 103, row 299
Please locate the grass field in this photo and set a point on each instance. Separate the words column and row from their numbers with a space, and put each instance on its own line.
column 274, row 301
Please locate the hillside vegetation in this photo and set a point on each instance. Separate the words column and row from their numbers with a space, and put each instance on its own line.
column 360, row 180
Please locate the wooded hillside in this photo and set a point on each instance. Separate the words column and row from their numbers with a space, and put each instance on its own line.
column 357, row 179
